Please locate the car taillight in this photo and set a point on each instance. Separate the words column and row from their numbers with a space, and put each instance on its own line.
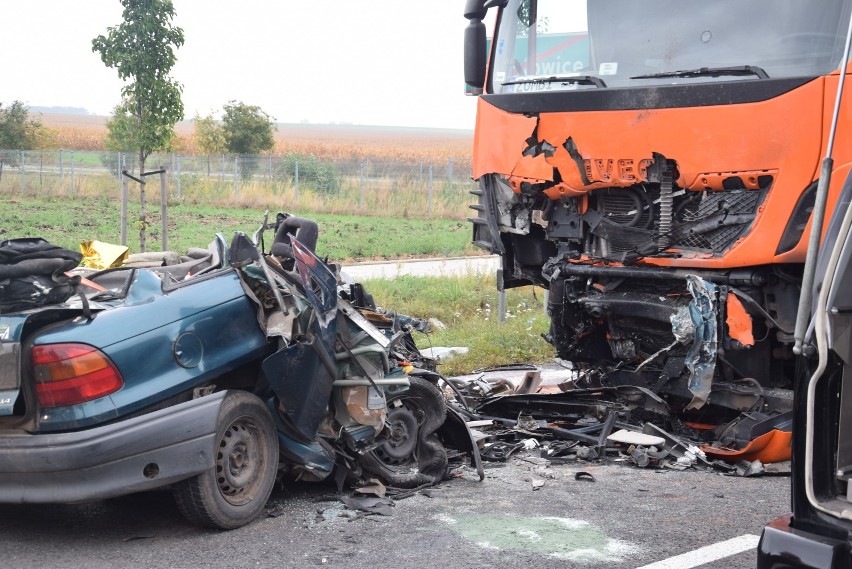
column 67, row 374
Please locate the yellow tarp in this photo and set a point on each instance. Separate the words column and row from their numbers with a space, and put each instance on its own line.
column 100, row 255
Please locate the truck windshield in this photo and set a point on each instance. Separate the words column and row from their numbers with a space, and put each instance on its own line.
column 542, row 44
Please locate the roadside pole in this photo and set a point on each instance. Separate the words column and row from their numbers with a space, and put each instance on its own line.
column 124, row 176
column 164, row 208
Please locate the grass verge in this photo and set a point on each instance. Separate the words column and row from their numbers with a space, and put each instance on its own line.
column 68, row 221
column 468, row 308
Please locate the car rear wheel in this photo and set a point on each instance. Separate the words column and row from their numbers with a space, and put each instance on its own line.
column 235, row 490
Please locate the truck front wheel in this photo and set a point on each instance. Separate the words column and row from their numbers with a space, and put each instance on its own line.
column 235, row 490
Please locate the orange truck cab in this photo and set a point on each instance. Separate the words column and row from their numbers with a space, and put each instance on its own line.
column 654, row 166
column 634, row 157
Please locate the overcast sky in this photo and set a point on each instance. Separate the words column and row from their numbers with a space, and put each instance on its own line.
column 373, row 62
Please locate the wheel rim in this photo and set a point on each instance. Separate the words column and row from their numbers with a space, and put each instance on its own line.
column 403, row 429
column 239, row 462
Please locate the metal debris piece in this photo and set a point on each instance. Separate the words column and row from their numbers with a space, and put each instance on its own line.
column 672, row 443
column 530, row 383
column 748, row 469
column 644, row 457
column 701, row 358
column 583, row 475
column 587, row 453
column 373, row 505
column 559, row 449
column 374, row 487
column 529, row 423
column 499, row 451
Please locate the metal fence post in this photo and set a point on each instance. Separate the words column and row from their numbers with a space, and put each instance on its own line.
column 123, row 209
column 40, row 170
column 501, row 297
column 164, row 207
column 23, row 176
column 450, row 171
column 72, row 172
column 429, row 194
column 177, row 174
column 361, row 184
column 296, row 183
column 222, row 173
column 235, row 174
column 61, row 173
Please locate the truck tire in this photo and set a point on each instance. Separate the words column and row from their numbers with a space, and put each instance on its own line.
column 410, row 454
column 235, row 490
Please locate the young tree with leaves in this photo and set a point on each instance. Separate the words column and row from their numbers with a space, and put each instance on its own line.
column 248, row 130
column 142, row 50
column 19, row 131
column 209, row 137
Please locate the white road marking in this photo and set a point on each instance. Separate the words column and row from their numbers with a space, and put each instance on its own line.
column 707, row 554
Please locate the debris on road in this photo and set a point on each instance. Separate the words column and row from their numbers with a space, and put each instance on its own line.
column 573, row 417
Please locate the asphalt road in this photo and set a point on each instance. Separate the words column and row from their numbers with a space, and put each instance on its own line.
column 626, row 518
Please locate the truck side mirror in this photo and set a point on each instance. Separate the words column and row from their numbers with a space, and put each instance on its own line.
column 474, row 55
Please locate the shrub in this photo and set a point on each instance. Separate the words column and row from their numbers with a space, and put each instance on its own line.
column 321, row 176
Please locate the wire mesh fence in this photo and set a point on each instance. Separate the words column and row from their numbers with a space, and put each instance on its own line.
column 430, row 187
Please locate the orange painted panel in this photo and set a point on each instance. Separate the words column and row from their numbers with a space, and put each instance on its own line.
column 784, row 137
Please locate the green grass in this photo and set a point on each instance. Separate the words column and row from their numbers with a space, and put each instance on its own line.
column 66, row 221
column 468, row 308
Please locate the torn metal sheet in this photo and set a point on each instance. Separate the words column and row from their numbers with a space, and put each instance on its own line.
column 371, row 504
column 740, row 325
column 701, row 358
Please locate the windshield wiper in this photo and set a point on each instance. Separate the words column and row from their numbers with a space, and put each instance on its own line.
column 579, row 79
column 709, row 72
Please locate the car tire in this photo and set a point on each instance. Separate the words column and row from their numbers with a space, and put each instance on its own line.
column 409, row 454
column 234, row 492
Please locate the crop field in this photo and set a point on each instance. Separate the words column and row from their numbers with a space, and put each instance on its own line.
column 86, row 132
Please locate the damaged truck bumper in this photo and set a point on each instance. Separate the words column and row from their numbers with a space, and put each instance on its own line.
column 784, row 547
column 138, row 454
